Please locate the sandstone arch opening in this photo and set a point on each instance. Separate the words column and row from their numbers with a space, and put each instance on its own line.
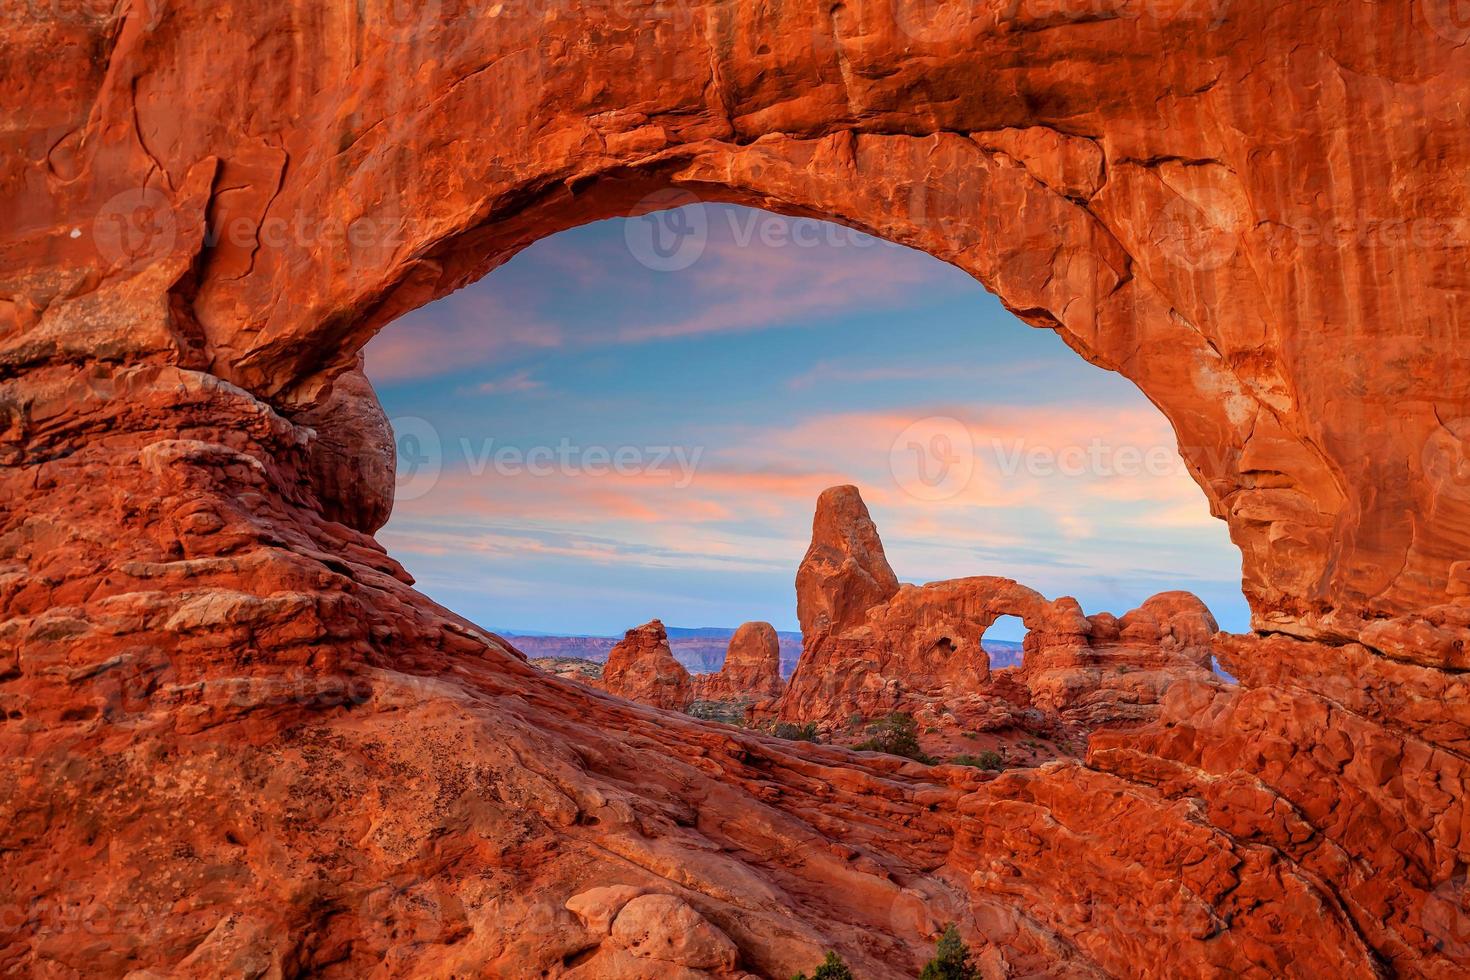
column 725, row 365
column 1004, row 640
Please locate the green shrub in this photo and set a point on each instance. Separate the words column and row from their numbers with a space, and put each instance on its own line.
column 796, row 733
column 898, row 734
column 951, row 959
column 989, row 759
column 832, row 968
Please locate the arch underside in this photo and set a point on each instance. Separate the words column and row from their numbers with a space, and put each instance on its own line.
column 198, row 621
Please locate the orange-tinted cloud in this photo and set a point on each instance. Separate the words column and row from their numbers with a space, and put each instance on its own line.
column 460, row 331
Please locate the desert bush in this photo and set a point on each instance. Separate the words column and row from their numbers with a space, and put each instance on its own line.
column 951, row 959
column 989, row 759
column 796, row 733
column 831, row 968
column 898, row 734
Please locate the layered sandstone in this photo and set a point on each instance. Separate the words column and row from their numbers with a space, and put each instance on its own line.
column 642, row 668
column 844, row 572
column 1126, row 666
column 919, row 650
column 235, row 739
column 752, row 667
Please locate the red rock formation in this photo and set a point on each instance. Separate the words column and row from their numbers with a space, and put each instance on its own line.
column 1126, row 665
column 642, row 668
column 752, row 667
column 844, row 572
column 920, row 650
column 235, row 740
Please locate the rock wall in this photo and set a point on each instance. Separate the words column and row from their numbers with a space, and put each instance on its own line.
column 1253, row 211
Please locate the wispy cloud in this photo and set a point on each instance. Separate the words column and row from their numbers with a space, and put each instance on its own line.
column 737, row 288
column 760, row 484
column 518, row 382
column 468, row 329
column 825, row 373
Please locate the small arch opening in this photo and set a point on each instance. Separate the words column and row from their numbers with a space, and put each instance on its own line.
column 1003, row 641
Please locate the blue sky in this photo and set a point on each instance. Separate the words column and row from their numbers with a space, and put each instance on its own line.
column 594, row 442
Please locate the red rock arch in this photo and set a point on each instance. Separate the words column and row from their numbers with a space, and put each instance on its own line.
column 1251, row 211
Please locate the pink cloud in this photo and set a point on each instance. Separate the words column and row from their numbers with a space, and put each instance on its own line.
column 740, row 289
column 516, row 383
column 471, row 327
column 750, row 500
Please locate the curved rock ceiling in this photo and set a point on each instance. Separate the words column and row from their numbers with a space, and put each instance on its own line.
column 233, row 733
